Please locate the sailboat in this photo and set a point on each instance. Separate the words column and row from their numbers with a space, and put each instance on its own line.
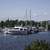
column 20, row 30
column 33, row 29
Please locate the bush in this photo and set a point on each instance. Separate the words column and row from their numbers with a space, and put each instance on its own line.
column 38, row 45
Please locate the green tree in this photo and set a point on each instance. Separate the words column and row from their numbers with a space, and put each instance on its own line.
column 2, row 24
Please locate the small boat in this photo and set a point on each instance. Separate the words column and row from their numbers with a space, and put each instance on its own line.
column 16, row 31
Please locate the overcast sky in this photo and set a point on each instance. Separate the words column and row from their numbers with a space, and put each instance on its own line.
column 15, row 9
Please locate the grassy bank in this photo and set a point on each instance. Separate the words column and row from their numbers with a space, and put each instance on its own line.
column 38, row 45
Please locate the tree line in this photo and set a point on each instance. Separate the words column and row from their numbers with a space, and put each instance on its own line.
column 12, row 23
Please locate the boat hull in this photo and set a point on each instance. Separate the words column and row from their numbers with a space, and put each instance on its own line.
column 19, row 33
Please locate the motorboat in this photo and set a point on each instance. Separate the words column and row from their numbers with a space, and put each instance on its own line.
column 16, row 30
column 19, row 30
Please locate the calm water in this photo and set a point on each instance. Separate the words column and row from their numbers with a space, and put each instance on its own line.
column 18, row 42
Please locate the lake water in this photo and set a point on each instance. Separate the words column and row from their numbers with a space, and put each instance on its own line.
column 18, row 42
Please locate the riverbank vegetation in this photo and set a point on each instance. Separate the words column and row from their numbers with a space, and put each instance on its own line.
column 38, row 45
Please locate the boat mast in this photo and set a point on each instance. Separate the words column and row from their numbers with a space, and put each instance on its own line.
column 46, row 26
column 30, row 18
column 26, row 17
column 30, row 14
column 41, row 23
